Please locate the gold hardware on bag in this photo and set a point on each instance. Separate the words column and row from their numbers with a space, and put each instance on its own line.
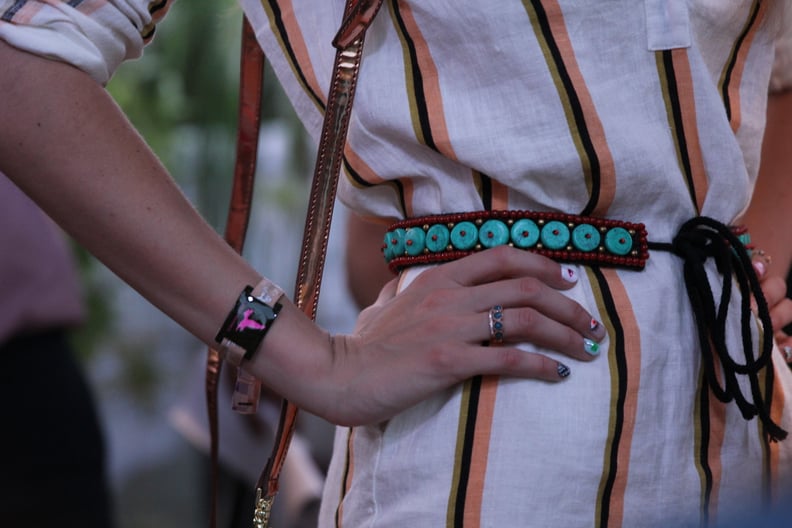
column 263, row 509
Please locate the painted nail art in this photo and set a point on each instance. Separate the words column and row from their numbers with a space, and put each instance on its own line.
column 563, row 370
column 592, row 347
column 760, row 268
column 569, row 273
column 594, row 324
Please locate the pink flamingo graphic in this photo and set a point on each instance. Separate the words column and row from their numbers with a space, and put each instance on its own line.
column 247, row 322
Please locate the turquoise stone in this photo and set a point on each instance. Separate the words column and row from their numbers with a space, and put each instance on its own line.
column 464, row 236
column 525, row 233
column 414, row 241
column 555, row 235
column 437, row 238
column 493, row 233
column 586, row 237
column 618, row 241
column 745, row 240
column 394, row 243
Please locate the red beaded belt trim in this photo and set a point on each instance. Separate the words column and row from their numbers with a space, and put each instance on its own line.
column 562, row 237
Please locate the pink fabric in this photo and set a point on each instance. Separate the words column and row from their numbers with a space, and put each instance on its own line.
column 39, row 287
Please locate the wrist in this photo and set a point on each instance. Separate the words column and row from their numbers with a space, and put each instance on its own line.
column 254, row 313
column 294, row 359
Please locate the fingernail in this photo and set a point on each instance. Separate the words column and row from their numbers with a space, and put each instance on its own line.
column 760, row 268
column 597, row 329
column 569, row 273
column 563, row 370
column 591, row 347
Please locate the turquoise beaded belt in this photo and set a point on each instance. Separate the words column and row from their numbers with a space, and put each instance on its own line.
column 598, row 241
column 562, row 237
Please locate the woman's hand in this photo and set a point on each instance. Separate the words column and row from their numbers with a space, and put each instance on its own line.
column 774, row 289
column 434, row 334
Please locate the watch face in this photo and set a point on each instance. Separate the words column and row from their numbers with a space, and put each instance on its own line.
column 248, row 322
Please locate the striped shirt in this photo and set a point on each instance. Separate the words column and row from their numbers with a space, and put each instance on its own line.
column 646, row 111
column 95, row 36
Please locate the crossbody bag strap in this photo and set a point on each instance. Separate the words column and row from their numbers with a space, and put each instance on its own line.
column 251, row 81
column 358, row 15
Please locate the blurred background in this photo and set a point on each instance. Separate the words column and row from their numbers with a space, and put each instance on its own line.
column 147, row 372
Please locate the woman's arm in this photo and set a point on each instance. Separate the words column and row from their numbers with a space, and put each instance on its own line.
column 768, row 215
column 66, row 144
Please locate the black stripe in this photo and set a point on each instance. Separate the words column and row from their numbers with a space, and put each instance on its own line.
column 768, row 402
column 417, row 76
column 621, row 369
column 400, row 191
column 158, row 6
column 733, row 59
column 704, row 427
column 343, row 481
column 356, row 177
column 13, row 10
column 679, row 130
column 74, row 3
column 486, row 190
column 576, row 107
column 398, row 186
column 284, row 38
column 467, row 451
column 150, row 34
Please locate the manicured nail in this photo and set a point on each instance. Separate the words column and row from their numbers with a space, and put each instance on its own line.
column 592, row 347
column 594, row 324
column 563, row 370
column 569, row 273
column 760, row 268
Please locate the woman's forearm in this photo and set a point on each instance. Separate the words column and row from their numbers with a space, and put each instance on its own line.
column 73, row 150
column 768, row 214
column 66, row 143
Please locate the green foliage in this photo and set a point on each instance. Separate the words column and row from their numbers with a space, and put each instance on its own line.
column 182, row 98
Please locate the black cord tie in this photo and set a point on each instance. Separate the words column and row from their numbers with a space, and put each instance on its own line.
column 701, row 238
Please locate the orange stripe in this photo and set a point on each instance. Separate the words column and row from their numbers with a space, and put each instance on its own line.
column 90, row 6
column 361, row 167
column 739, row 67
column 480, row 455
column 500, row 196
column 409, row 192
column 594, row 125
column 26, row 13
column 431, row 84
column 687, row 103
column 717, row 434
column 296, row 42
column 632, row 347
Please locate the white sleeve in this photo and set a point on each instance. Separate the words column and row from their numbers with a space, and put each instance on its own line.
column 781, row 78
column 95, row 36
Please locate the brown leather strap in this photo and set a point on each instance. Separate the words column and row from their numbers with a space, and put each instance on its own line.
column 349, row 41
column 357, row 17
column 250, row 91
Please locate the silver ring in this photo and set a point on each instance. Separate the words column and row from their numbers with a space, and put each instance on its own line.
column 787, row 350
column 496, row 325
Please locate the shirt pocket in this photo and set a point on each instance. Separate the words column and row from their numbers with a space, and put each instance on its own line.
column 667, row 24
